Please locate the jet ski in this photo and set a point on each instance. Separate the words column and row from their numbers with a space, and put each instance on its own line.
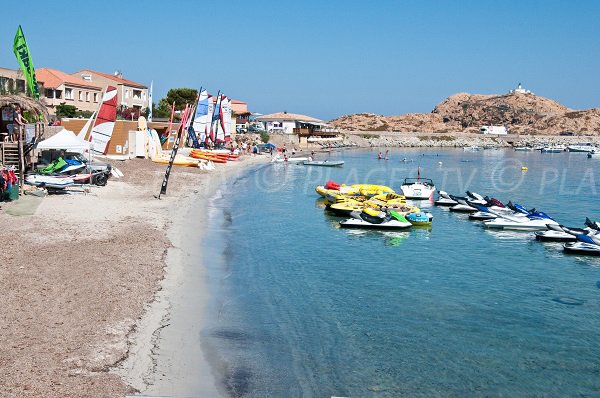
column 486, row 212
column 557, row 233
column 560, row 233
column 588, row 245
column 537, row 221
column 445, row 199
column 367, row 219
column 463, row 205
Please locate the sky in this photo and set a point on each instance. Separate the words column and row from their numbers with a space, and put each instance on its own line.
column 324, row 58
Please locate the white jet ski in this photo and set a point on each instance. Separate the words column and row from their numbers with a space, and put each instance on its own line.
column 560, row 233
column 463, row 205
column 588, row 245
column 520, row 223
column 49, row 181
column 445, row 199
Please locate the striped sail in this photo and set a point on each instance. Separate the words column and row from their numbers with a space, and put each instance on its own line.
column 105, row 122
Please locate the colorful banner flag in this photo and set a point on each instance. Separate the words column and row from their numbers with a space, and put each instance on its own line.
column 22, row 53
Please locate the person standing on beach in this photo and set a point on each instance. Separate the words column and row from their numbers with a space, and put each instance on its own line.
column 18, row 125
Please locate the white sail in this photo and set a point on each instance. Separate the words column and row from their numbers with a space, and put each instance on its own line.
column 201, row 116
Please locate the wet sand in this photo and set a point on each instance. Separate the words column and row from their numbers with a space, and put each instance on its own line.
column 91, row 280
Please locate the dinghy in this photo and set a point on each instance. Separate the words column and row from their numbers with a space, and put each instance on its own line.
column 324, row 163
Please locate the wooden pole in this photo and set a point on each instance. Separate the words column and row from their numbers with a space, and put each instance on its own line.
column 21, row 137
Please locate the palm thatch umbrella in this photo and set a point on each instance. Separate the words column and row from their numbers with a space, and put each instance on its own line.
column 30, row 105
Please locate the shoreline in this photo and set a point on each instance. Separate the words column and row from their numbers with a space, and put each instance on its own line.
column 81, row 269
column 160, row 361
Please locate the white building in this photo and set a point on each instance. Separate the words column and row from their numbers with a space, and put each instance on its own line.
column 520, row 90
column 285, row 123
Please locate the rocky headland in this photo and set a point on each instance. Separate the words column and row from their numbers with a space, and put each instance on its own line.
column 522, row 114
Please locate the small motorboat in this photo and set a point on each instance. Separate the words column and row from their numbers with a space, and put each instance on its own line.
column 594, row 154
column 523, row 149
column 324, row 163
column 418, row 188
column 554, row 149
column 419, row 219
column 445, row 199
column 581, row 148
column 472, row 148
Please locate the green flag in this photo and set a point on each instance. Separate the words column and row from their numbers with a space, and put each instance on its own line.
column 22, row 53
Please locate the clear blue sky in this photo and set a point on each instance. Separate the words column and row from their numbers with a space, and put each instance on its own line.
column 324, row 58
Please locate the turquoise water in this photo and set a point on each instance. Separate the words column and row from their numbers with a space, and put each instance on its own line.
column 303, row 308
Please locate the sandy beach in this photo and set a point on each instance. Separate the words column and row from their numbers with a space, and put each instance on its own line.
column 91, row 279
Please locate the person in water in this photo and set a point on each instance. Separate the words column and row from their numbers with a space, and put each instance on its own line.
column 387, row 157
column 380, row 156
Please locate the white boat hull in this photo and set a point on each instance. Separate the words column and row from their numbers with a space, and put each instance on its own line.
column 49, row 181
column 356, row 223
column 587, row 249
column 417, row 191
column 529, row 225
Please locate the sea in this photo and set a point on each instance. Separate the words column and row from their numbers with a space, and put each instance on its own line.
column 302, row 308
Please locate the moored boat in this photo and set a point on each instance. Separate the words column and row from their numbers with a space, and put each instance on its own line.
column 324, row 163
column 418, row 188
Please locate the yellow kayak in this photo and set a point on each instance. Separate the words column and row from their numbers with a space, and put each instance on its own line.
column 178, row 161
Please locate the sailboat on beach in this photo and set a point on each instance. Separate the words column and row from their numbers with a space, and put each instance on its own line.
column 104, row 123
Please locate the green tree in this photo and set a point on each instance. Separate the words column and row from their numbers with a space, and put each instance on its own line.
column 180, row 96
column 64, row 110
column 162, row 110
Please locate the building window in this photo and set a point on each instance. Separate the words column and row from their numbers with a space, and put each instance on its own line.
column 49, row 93
column 137, row 94
column 144, row 95
column 58, row 94
column 80, row 95
column 87, row 96
column 69, row 93
column 126, row 94
column 95, row 97
column 20, row 86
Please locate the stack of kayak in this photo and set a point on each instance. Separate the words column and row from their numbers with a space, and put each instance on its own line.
column 213, row 156
column 512, row 216
column 371, row 206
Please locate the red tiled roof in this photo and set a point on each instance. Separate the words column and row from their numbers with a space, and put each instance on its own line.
column 114, row 78
column 53, row 78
